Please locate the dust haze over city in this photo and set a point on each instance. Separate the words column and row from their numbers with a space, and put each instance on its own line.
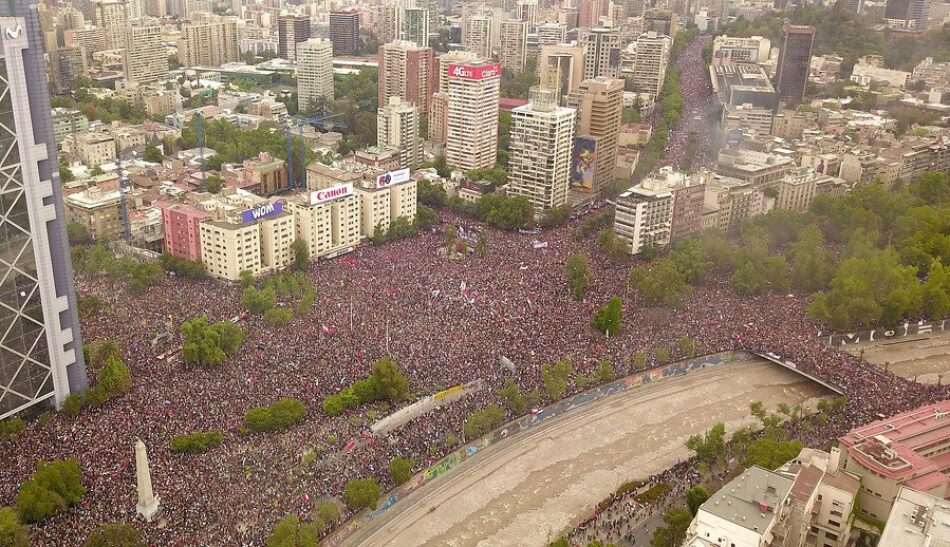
column 541, row 273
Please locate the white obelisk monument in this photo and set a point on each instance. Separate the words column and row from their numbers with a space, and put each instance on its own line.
column 148, row 502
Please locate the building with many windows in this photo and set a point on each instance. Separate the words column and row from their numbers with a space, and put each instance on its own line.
column 41, row 359
column 794, row 63
column 644, row 215
column 513, row 41
column 478, row 37
column 397, row 126
column 406, row 71
column 211, row 42
column 542, row 139
column 291, row 30
column 561, row 67
column 754, row 49
column 97, row 210
column 145, row 58
column 314, row 72
column 345, row 32
column 601, row 52
column 599, row 104
column 112, row 17
column 653, row 56
column 328, row 220
column 182, row 227
column 66, row 65
column 472, row 126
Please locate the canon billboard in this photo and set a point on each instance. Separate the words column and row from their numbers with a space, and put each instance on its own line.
column 475, row 72
column 392, row 177
column 332, row 192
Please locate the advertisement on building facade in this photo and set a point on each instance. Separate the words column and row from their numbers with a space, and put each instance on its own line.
column 392, row 177
column 584, row 163
column 333, row 192
column 475, row 72
column 262, row 211
column 734, row 139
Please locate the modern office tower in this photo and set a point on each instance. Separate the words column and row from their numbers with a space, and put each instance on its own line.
column 406, row 71
column 112, row 16
column 291, row 30
column 414, row 26
column 345, row 32
column 209, row 43
column 158, row 8
column 528, row 12
column 599, row 104
column 514, row 41
column 653, row 56
column 478, row 35
column 907, row 14
column 41, row 360
column 542, row 141
column 67, row 64
column 314, row 72
column 145, row 57
column 442, row 65
column 472, row 127
column 397, row 126
column 794, row 59
column 602, row 57
column 561, row 67
column 551, row 33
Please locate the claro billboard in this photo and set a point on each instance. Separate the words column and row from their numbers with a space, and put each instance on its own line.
column 332, row 192
column 475, row 72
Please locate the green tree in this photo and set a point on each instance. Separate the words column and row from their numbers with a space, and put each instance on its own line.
column 77, row 233
column 611, row 245
column 392, row 383
column 578, row 274
column 400, row 470
column 513, row 398
column 153, row 154
column 554, row 378
column 301, row 254
column 279, row 316
column 52, row 488
column 660, row 283
column 291, row 532
column 483, row 421
column 771, row 453
column 689, row 260
column 711, row 447
column 209, row 345
column 198, row 442
column 674, row 533
column 13, row 533
column 555, row 216
column 115, row 535
column 604, row 372
column 328, row 511
column 361, row 493
column 696, row 496
column 450, row 237
column 608, row 319
column 259, row 300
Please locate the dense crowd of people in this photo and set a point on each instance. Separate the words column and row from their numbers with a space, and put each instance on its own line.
column 445, row 321
column 696, row 90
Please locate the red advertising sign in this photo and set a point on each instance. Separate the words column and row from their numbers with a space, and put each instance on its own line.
column 475, row 72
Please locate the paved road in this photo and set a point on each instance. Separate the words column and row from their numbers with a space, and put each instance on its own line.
column 535, row 485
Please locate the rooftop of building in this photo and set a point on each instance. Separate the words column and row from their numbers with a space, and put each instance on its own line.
column 93, row 197
column 917, row 520
column 750, row 500
column 893, row 446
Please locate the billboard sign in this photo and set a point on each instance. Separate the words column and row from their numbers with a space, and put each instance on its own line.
column 584, row 163
column 392, row 177
column 734, row 139
column 262, row 211
column 333, row 192
column 467, row 72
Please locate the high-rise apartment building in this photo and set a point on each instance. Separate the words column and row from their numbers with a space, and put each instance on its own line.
column 438, row 118
column 291, row 30
column 41, row 359
column 345, row 32
column 561, row 67
column 514, row 40
column 599, row 104
column 542, row 140
column 414, row 26
column 551, row 33
column 67, row 64
column 528, row 12
column 209, row 43
column 445, row 60
column 602, row 57
column 472, row 127
column 112, row 16
column 388, row 21
column 644, row 215
column 397, row 126
column 406, row 71
column 145, row 57
column 794, row 59
column 478, row 35
column 589, row 12
column 314, row 72
column 653, row 56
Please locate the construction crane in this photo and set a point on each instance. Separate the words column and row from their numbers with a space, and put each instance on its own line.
column 292, row 182
column 201, row 152
column 124, row 200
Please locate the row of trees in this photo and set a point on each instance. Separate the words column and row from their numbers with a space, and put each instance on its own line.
column 386, row 383
column 113, row 380
column 507, row 213
column 280, row 297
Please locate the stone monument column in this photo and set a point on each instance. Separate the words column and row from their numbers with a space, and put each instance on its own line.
column 148, row 502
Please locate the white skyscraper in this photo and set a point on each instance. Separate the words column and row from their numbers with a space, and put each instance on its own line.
column 314, row 71
column 472, row 126
column 542, row 137
column 478, row 35
column 653, row 55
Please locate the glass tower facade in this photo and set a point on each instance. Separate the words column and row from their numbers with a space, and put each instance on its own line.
column 41, row 360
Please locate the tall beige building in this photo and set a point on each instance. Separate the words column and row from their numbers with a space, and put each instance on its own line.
column 514, row 39
column 561, row 67
column 406, row 71
column 653, row 56
column 472, row 127
column 328, row 220
column 453, row 57
column 230, row 244
column 145, row 57
column 397, row 126
column 542, row 139
column 602, row 55
column 477, row 35
column 210, row 43
column 314, row 72
column 599, row 104
column 112, row 16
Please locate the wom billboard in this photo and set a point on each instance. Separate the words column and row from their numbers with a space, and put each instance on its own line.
column 262, row 211
column 584, row 163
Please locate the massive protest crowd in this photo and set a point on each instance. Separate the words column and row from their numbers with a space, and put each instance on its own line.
column 696, row 90
column 446, row 322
